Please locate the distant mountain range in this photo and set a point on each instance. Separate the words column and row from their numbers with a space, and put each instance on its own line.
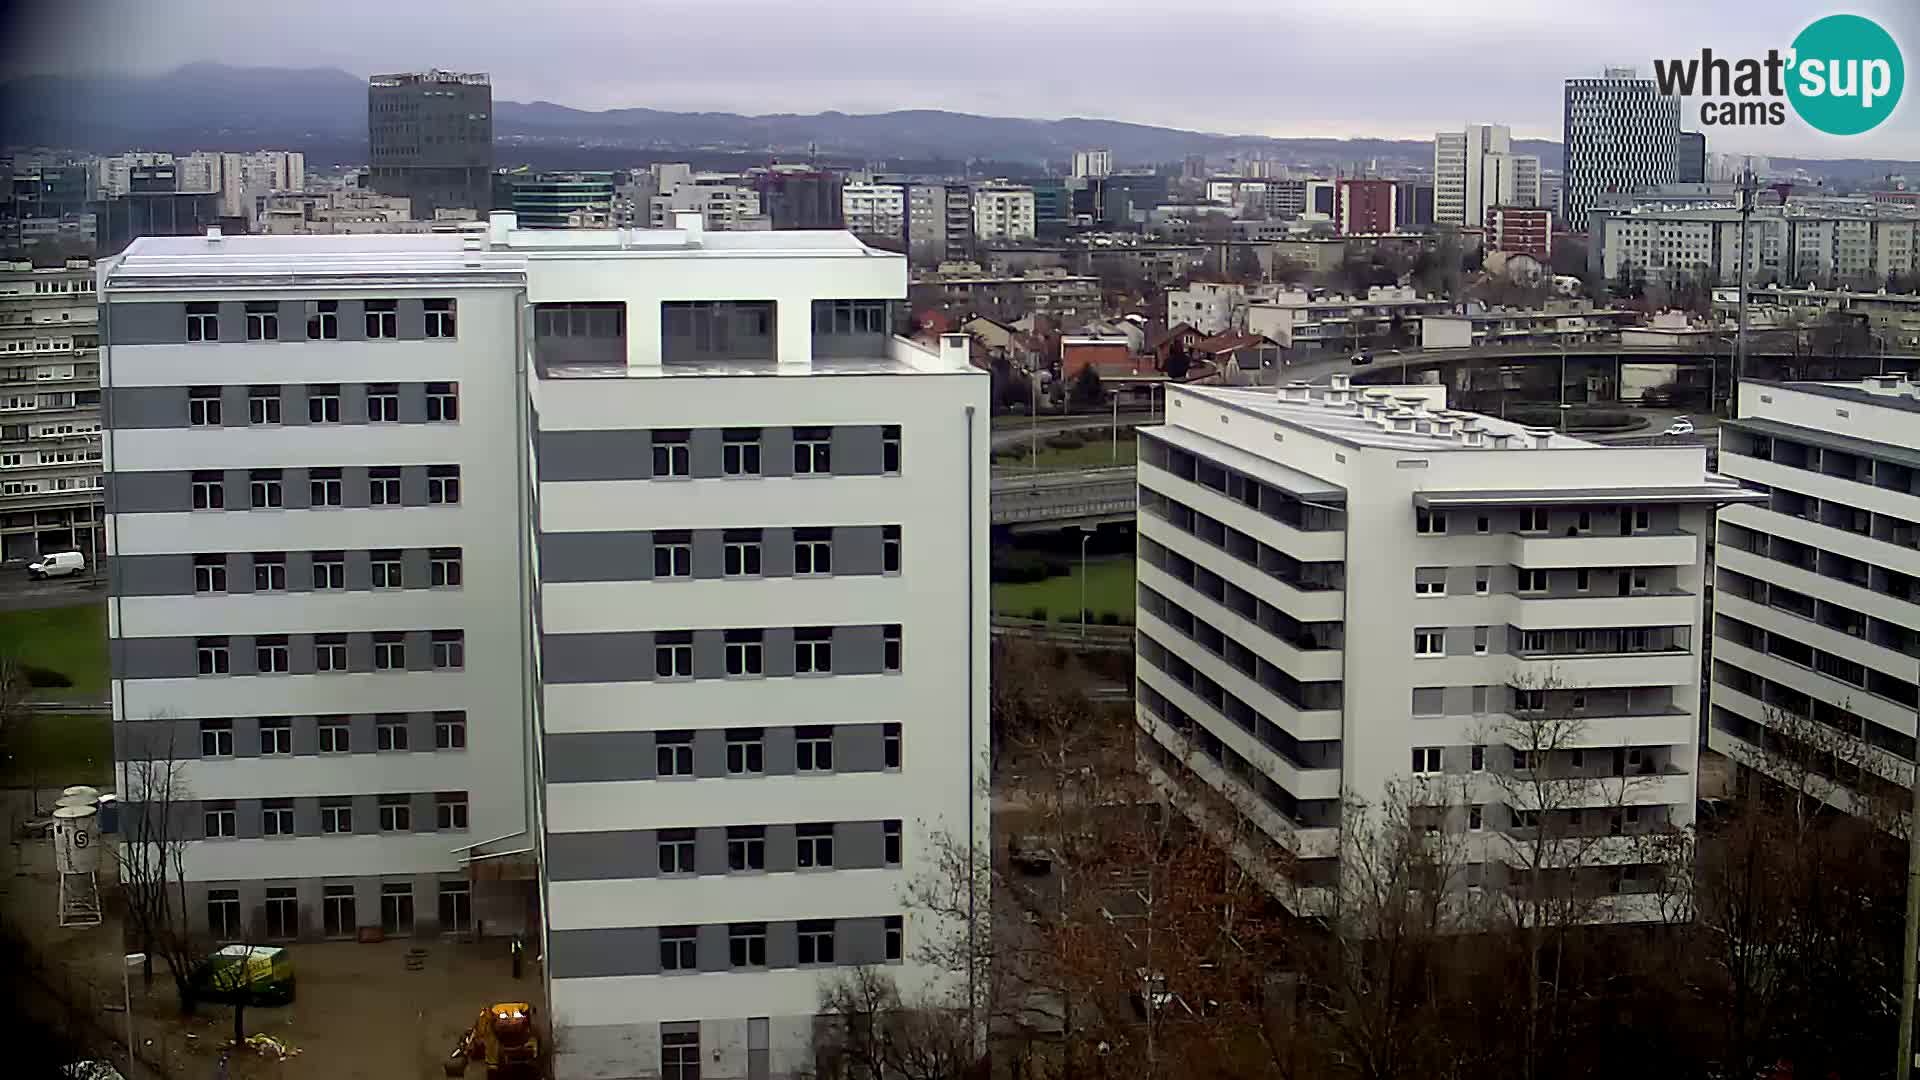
column 323, row 111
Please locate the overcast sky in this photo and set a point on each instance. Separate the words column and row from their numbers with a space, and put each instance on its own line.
column 1393, row 68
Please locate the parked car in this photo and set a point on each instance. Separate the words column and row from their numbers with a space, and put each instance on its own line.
column 58, row 564
column 1680, row 426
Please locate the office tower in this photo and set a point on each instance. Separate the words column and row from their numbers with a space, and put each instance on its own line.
column 1412, row 203
column 1477, row 168
column 577, row 200
column 430, row 138
column 645, row 641
column 1691, row 165
column 1621, row 134
column 799, row 196
column 1346, row 590
column 50, row 392
column 1817, row 599
column 1091, row 164
column 1002, row 212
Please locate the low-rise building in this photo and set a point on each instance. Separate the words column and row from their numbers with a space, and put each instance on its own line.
column 1522, row 230
column 1210, row 307
column 1556, row 324
column 876, row 210
column 1313, row 319
column 1066, row 297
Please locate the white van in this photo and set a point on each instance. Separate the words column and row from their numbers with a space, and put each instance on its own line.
column 58, row 564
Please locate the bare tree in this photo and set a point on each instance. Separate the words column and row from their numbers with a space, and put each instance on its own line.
column 151, row 858
column 865, row 1031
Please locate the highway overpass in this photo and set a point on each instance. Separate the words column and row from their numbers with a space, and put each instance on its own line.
column 1056, row 500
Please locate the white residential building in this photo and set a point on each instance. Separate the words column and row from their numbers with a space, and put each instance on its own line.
column 1477, row 168
column 1821, row 246
column 1817, row 596
column 49, row 411
column 1090, row 164
column 875, row 209
column 726, row 203
column 652, row 640
column 1342, row 589
column 1209, row 307
column 1002, row 212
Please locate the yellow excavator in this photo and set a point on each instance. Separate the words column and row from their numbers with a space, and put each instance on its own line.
column 504, row 1039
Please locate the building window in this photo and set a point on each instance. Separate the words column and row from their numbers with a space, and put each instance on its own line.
column 816, row 941
column 812, row 551
column 890, row 745
column 815, row 846
column 1479, row 759
column 742, row 554
column 1430, row 642
column 389, row 652
column 335, row 735
column 203, row 322
column 276, row 735
column 329, row 570
column 323, row 404
column 323, row 320
column 744, row 653
column 1426, row 760
column 813, row 749
column 456, row 906
column 263, row 405
column 276, row 817
column 390, row 733
column 216, row 738
column 264, row 490
column 1642, row 521
column 449, row 650
column 746, row 848
column 890, row 449
column 1483, row 524
column 336, row 909
column 747, row 945
column 203, row 406
column 1533, row 581
column 212, row 655
column 396, row 813
column 209, row 492
column 1482, row 580
column 676, row 851
column 812, row 451
column 386, row 568
column 443, row 402
column 890, row 841
column 896, row 937
column 1582, row 580
column 673, row 754
column 746, row 752
column 740, row 452
column 450, row 810
column 679, row 1050
column 890, row 549
column 672, row 554
column 1525, row 819
column 223, row 913
column 443, row 568
column 383, row 486
column 673, row 655
column 396, row 908
column 1430, row 522
column 439, row 318
column 1480, row 635
column 221, row 823
column 443, row 485
column 1429, row 581
column 336, row 817
column 383, row 319
column 813, row 650
column 383, row 403
column 269, row 572
column 1533, row 519
column 449, row 731
column 209, row 573
column 325, row 487
column 1475, row 818
column 671, row 454
column 678, row 952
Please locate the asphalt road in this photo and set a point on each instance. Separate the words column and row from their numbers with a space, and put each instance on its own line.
column 20, row 593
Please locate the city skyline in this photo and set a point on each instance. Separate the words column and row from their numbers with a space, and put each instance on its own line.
column 580, row 56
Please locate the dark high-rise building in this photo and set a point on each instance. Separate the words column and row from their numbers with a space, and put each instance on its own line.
column 430, row 138
column 801, row 198
column 1123, row 194
column 1052, row 200
column 1693, row 157
column 1412, row 203
column 122, row 219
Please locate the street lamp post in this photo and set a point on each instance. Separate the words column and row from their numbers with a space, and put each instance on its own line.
column 1033, row 418
column 133, row 960
column 1086, row 534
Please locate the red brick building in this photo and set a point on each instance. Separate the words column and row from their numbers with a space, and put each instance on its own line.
column 1364, row 206
column 1527, row 230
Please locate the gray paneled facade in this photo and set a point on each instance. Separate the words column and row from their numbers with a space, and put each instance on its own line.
column 636, row 950
column 602, row 756
column 856, row 450
column 635, row 853
column 630, row 656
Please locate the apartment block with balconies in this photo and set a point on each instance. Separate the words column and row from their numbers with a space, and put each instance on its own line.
column 1817, row 597
column 50, row 448
column 1345, row 592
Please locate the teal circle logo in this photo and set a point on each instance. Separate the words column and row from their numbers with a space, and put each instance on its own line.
column 1846, row 76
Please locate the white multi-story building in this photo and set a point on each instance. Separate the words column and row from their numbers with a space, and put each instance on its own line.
column 1088, row 164
column 1817, row 595
column 726, row 203
column 1209, row 307
column 675, row 635
column 1343, row 590
column 49, row 411
column 875, row 209
column 1003, row 212
column 1477, row 168
column 1621, row 134
column 1826, row 247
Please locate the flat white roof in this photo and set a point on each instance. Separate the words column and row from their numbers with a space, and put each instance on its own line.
column 1319, row 417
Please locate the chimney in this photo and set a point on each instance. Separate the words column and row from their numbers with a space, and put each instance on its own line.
column 1340, row 380
column 499, row 224
column 1339, row 397
column 213, row 234
column 1296, row 391
column 1539, row 437
column 1414, row 403
column 1500, row 440
column 691, row 222
column 1472, row 435
column 956, row 350
column 1401, row 420
column 1443, row 426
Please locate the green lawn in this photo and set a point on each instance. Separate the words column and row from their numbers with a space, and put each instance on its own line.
column 1109, row 589
column 1098, row 453
column 58, row 750
column 71, row 640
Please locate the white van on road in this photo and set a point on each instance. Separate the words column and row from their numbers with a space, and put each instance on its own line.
column 58, row 564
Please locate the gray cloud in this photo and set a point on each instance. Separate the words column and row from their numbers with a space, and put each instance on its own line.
column 1397, row 68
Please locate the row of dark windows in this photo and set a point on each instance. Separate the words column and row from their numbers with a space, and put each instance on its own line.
column 381, row 320
column 204, row 408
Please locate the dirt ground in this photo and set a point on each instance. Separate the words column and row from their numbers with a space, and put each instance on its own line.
column 357, row 1013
